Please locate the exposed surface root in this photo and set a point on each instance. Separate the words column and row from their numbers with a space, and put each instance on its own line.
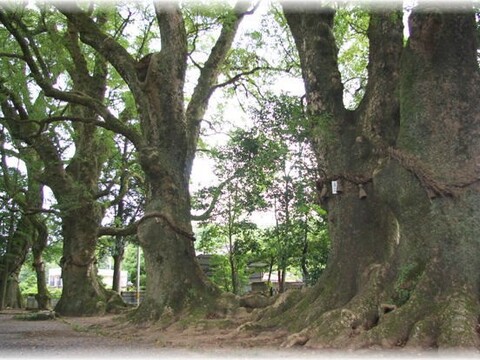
column 431, row 318
column 300, row 338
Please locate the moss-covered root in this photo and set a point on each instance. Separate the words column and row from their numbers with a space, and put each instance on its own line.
column 458, row 320
column 336, row 327
column 206, row 306
column 284, row 311
column 449, row 322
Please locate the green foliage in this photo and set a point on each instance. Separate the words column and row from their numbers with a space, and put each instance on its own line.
column 273, row 170
column 221, row 273
column 350, row 30
column 27, row 281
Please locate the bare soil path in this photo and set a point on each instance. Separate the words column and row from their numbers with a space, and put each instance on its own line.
column 109, row 337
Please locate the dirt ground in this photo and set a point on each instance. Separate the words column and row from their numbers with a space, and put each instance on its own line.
column 111, row 337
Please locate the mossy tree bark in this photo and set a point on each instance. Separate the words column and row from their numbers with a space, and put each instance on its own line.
column 39, row 245
column 435, row 162
column 76, row 189
column 403, row 266
column 75, row 186
column 166, row 146
column 24, row 225
column 13, row 295
column 19, row 241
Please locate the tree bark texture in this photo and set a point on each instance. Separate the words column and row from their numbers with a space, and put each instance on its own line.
column 40, row 243
column 13, row 296
column 75, row 186
column 117, row 269
column 11, row 262
column 166, row 146
column 404, row 267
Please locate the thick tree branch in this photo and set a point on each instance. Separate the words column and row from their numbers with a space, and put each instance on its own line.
column 106, row 45
column 75, row 97
column 313, row 35
column 132, row 228
column 209, row 74
column 113, row 124
column 28, row 56
column 381, row 101
column 172, row 33
column 216, row 196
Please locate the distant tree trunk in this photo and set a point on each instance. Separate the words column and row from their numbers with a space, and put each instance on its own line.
column 119, row 251
column 303, row 259
column 233, row 273
column 19, row 242
column 40, row 243
column 14, row 299
column 82, row 293
column 117, row 265
column 404, row 263
column 27, row 231
column 281, row 280
column 270, row 271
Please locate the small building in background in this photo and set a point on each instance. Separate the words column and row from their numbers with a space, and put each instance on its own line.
column 55, row 278
column 258, row 282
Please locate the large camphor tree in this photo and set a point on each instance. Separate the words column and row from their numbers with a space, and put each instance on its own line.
column 404, row 223
column 29, row 116
column 165, row 142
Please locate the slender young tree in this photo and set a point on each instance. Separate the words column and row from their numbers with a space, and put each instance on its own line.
column 404, row 221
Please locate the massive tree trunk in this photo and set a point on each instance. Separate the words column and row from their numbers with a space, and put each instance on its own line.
column 13, row 296
column 344, row 145
column 82, row 293
column 436, row 165
column 75, row 186
column 166, row 147
column 404, row 228
column 75, row 189
column 19, row 242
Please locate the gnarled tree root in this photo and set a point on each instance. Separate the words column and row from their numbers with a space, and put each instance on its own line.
column 431, row 318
